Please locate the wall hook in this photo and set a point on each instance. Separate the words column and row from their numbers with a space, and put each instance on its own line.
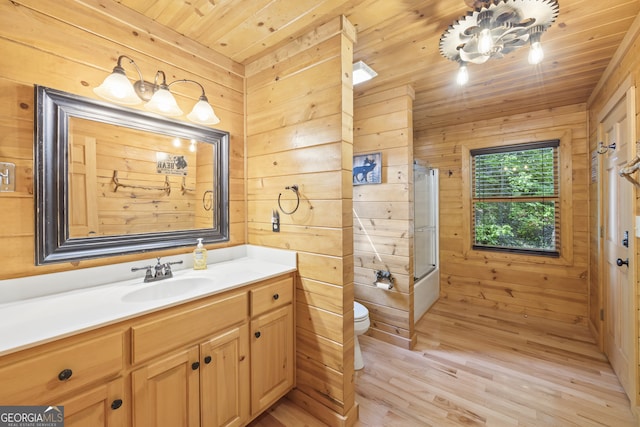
column 293, row 188
column 602, row 149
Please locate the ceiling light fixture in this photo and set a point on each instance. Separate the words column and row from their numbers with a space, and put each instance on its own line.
column 118, row 88
column 362, row 73
column 496, row 27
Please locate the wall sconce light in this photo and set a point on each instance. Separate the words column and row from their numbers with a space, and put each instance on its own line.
column 362, row 73
column 118, row 88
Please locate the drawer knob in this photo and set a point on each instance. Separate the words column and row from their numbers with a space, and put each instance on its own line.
column 207, row 360
column 116, row 404
column 276, row 296
column 195, row 365
column 65, row 374
column 257, row 334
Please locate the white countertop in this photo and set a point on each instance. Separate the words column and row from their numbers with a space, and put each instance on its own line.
column 26, row 321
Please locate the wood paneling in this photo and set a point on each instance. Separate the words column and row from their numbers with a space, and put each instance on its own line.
column 299, row 132
column 383, row 213
column 532, row 286
column 625, row 68
column 400, row 40
column 72, row 46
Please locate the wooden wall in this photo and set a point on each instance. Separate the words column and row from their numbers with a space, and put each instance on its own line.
column 530, row 285
column 299, row 131
column 72, row 46
column 624, row 67
column 383, row 213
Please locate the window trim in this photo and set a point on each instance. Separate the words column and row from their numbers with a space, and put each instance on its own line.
column 535, row 145
column 565, row 135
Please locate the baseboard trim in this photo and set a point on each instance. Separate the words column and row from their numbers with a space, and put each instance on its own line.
column 326, row 415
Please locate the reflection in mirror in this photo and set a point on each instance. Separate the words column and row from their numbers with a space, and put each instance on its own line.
column 111, row 180
column 126, row 181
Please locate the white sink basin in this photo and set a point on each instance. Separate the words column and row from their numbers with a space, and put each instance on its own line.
column 166, row 289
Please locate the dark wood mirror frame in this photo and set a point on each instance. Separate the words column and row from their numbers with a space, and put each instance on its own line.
column 52, row 113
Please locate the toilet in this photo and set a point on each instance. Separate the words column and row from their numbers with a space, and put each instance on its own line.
column 361, row 325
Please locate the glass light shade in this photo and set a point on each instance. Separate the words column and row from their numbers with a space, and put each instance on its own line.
column 203, row 113
column 117, row 88
column 536, row 54
column 163, row 102
column 463, row 75
column 485, row 42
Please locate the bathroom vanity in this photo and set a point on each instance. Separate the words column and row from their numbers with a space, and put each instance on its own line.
column 204, row 348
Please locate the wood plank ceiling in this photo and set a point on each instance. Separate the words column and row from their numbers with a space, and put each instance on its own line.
column 400, row 40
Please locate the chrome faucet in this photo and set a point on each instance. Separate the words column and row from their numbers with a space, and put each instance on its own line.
column 158, row 272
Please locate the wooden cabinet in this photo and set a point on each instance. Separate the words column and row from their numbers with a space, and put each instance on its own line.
column 181, row 326
column 207, row 382
column 272, row 343
column 224, row 378
column 217, row 361
column 81, row 373
column 203, row 385
column 101, row 406
column 60, row 368
column 166, row 392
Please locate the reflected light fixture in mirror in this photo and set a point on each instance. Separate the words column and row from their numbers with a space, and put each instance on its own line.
column 495, row 28
column 118, row 88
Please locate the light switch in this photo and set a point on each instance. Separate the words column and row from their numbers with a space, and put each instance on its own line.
column 7, row 177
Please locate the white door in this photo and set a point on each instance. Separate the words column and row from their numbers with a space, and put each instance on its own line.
column 618, row 292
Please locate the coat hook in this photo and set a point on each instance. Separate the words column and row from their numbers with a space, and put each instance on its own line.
column 602, row 149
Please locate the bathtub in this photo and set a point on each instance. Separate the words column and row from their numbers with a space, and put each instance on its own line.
column 425, row 292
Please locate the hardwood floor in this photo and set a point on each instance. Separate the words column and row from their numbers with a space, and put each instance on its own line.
column 480, row 367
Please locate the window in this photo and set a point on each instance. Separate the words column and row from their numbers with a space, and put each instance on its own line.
column 515, row 198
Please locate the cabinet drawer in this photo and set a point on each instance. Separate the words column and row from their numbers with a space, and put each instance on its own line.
column 35, row 380
column 165, row 333
column 272, row 295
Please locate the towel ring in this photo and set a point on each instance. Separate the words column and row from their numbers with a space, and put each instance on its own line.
column 293, row 188
column 207, row 202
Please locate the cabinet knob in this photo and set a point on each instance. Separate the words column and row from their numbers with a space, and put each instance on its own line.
column 207, row 360
column 195, row 365
column 257, row 334
column 65, row 374
column 116, row 404
column 276, row 296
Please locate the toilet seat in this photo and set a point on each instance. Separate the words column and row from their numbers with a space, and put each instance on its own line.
column 360, row 312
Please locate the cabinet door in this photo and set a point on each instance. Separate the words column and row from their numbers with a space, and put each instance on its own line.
column 166, row 391
column 224, row 378
column 101, row 406
column 271, row 357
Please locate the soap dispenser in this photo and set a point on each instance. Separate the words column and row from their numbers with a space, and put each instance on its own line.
column 200, row 257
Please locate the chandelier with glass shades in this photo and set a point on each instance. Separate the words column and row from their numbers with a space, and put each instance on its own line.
column 494, row 28
column 118, row 88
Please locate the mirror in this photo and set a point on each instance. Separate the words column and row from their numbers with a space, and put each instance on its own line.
column 111, row 180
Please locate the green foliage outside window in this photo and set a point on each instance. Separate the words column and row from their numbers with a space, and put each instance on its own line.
column 515, row 199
